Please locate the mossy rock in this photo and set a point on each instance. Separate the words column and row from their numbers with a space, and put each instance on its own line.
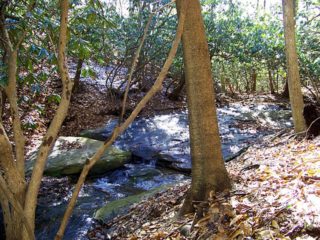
column 117, row 207
column 70, row 154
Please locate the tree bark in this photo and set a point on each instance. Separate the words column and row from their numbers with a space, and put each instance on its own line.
column 296, row 98
column 285, row 91
column 12, row 165
column 176, row 92
column 51, row 135
column 277, row 81
column 271, row 85
column 208, row 170
column 77, row 76
column 15, row 182
column 11, row 93
column 223, row 80
column 253, row 80
column 247, row 78
column 2, row 103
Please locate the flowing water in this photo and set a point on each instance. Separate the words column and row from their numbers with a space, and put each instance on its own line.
column 158, row 144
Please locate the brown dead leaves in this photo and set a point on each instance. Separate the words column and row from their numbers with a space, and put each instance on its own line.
column 278, row 198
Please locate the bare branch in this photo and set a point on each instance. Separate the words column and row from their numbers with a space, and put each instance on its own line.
column 133, row 67
column 51, row 135
column 120, row 129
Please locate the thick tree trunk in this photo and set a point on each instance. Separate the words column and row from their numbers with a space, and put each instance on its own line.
column 208, row 170
column 296, row 98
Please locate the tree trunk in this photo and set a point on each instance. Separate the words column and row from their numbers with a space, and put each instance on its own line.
column 176, row 92
column 253, row 80
column 247, row 77
column 208, row 170
column 271, row 85
column 121, row 128
column 51, row 135
column 223, row 80
column 77, row 76
column 277, row 81
column 2, row 103
column 296, row 98
column 285, row 91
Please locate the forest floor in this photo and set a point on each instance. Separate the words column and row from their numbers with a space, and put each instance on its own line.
column 275, row 195
column 276, row 188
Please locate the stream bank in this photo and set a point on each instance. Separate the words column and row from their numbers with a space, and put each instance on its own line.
column 149, row 140
column 275, row 195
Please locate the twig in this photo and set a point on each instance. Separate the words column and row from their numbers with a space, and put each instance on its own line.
column 175, row 229
column 279, row 134
column 254, row 166
column 237, row 154
column 314, row 121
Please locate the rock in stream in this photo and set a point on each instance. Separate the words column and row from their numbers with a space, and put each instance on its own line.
column 70, row 154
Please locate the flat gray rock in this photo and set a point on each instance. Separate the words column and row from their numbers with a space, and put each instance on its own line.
column 70, row 154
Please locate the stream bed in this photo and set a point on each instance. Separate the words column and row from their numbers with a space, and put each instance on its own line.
column 161, row 156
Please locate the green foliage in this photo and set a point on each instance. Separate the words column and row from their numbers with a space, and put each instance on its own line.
column 54, row 98
column 239, row 42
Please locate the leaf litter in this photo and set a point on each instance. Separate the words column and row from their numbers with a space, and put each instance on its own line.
column 275, row 195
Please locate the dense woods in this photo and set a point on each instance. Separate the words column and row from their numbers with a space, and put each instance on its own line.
column 75, row 68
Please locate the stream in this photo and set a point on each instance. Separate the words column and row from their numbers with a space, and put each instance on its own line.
column 161, row 156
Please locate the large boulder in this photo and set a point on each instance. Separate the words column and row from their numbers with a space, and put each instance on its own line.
column 70, row 154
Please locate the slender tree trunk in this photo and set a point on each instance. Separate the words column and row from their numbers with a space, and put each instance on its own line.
column 277, row 81
column 285, row 91
column 121, row 128
column 77, row 76
column 247, row 76
column 271, row 85
column 2, row 103
column 296, row 98
column 223, row 79
column 208, row 170
column 175, row 94
column 253, row 80
column 230, row 86
column 237, row 84
column 11, row 162
column 51, row 135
